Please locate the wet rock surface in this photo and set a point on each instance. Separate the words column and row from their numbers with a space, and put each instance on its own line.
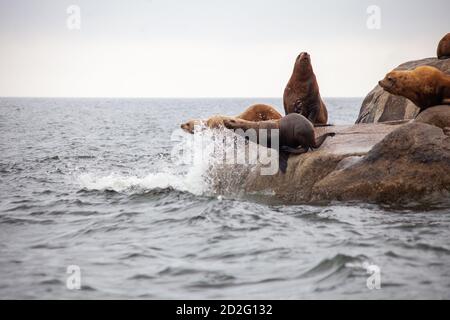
column 397, row 162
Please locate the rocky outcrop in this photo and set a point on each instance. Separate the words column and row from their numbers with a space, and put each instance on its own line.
column 385, row 157
column 399, row 162
column 438, row 116
column 380, row 106
column 411, row 164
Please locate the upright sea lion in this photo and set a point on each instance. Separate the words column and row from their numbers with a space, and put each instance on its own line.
column 296, row 134
column 256, row 112
column 302, row 95
column 425, row 86
column 443, row 49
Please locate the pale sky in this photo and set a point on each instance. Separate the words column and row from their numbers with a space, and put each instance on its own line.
column 208, row 48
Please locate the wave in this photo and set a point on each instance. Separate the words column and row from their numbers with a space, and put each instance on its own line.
column 339, row 264
column 120, row 183
column 189, row 169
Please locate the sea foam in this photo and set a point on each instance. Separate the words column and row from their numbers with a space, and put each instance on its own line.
column 188, row 169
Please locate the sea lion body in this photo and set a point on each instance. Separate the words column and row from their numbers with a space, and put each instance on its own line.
column 256, row 112
column 216, row 121
column 296, row 134
column 260, row 112
column 302, row 95
column 443, row 49
column 425, row 86
column 295, row 131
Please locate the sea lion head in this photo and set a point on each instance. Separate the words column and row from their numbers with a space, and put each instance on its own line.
column 303, row 67
column 395, row 82
column 401, row 83
column 190, row 125
column 389, row 82
column 232, row 123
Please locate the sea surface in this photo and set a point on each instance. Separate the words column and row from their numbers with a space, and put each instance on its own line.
column 90, row 194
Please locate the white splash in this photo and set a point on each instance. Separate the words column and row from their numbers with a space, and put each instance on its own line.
column 187, row 169
column 151, row 181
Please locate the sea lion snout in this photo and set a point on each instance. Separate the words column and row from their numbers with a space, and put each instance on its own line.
column 303, row 56
column 186, row 128
column 387, row 82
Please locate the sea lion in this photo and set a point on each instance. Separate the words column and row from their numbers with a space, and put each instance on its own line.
column 260, row 112
column 302, row 95
column 443, row 49
column 438, row 116
column 214, row 122
column 425, row 86
column 296, row 134
column 256, row 112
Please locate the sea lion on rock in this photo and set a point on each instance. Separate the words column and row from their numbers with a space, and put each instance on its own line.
column 260, row 112
column 438, row 116
column 256, row 112
column 443, row 49
column 425, row 86
column 214, row 122
column 302, row 95
column 296, row 134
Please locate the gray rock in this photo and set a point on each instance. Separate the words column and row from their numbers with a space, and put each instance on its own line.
column 383, row 163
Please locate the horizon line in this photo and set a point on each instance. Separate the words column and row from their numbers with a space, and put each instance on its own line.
column 127, row 97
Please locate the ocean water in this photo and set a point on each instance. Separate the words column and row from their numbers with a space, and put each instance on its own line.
column 94, row 183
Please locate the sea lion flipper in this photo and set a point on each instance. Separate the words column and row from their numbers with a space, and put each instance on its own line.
column 283, row 161
column 319, row 125
column 322, row 138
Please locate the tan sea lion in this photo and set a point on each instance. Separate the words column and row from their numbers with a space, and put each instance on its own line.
column 302, row 95
column 296, row 134
column 443, row 49
column 260, row 112
column 256, row 112
column 425, row 86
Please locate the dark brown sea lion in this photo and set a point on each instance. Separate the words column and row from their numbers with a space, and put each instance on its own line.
column 425, row 86
column 443, row 49
column 302, row 95
column 296, row 134
column 256, row 112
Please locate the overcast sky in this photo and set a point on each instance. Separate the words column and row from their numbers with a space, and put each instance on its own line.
column 208, row 48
